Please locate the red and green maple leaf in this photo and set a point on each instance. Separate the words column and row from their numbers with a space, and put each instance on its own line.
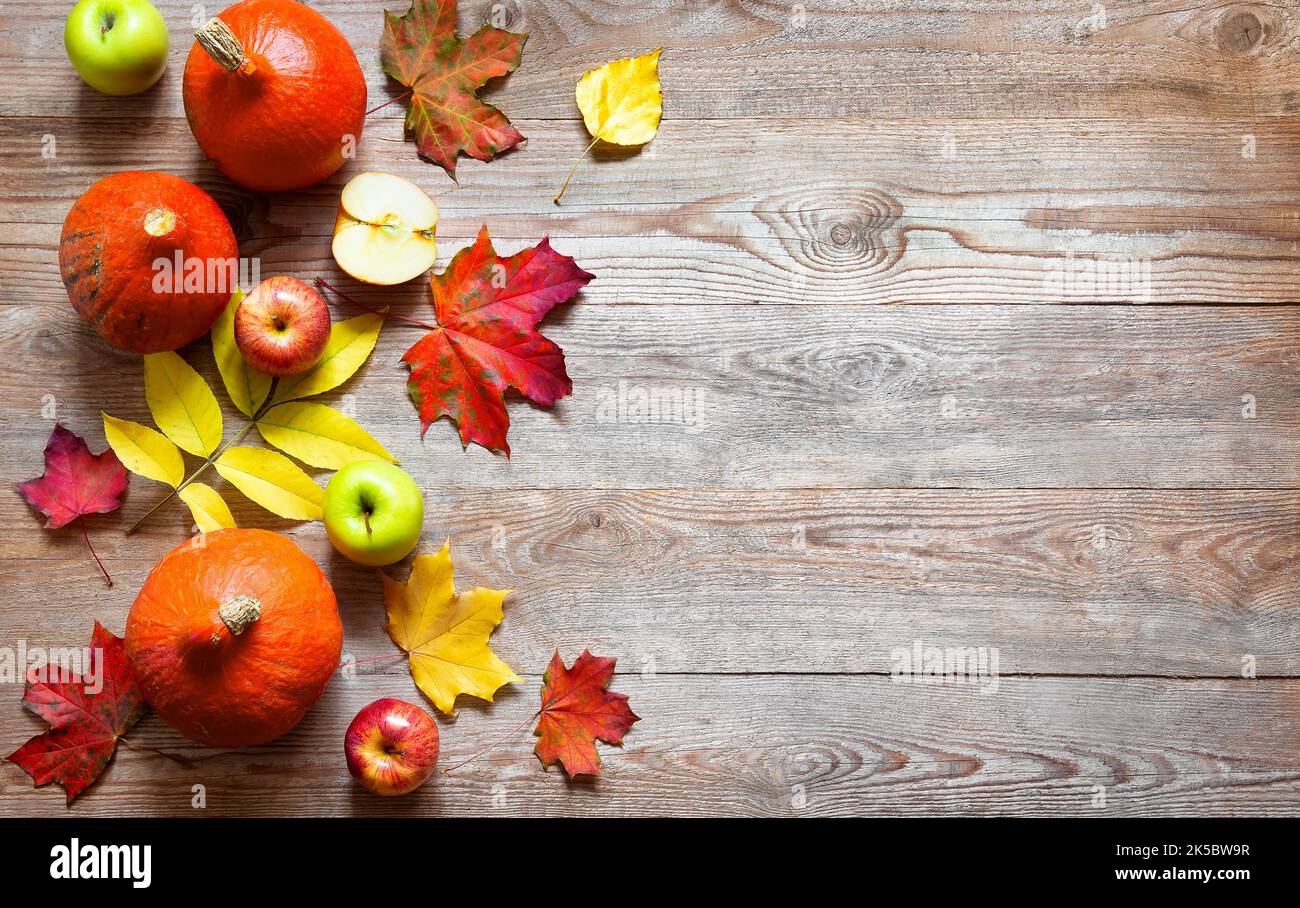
column 443, row 71
column 87, row 716
column 578, row 710
column 76, row 483
column 486, row 341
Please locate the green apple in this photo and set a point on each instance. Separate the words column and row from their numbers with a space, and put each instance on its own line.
column 118, row 46
column 373, row 512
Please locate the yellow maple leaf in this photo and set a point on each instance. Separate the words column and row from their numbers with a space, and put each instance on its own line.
column 445, row 633
column 621, row 103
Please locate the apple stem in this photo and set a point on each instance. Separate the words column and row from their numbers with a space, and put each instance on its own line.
column 383, row 313
column 81, row 524
column 510, row 734
column 573, row 170
column 365, row 515
column 389, row 101
column 197, row 471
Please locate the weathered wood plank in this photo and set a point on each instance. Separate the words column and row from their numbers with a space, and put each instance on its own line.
column 1093, row 583
column 773, row 212
column 1092, row 491
column 735, row 58
column 769, row 745
column 795, row 397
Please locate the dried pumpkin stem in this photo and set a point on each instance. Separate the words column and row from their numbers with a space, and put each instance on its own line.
column 224, row 48
column 240, row 613
column 159, row 222
column 574, row 169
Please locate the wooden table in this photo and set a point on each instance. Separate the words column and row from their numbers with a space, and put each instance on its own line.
column 862, row 243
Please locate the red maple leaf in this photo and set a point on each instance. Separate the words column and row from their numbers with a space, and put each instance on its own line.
column 87, row 715
column 577, row 711
column 422, row 51
column 485, row 340
column 75, row 483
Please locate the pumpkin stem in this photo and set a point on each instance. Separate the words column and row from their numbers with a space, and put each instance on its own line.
column 239, row 613
column 224, row 48
column 159, row 221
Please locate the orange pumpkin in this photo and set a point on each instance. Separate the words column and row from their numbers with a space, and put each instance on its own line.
column 119, row 254
column 234, row 636
column 274, row 94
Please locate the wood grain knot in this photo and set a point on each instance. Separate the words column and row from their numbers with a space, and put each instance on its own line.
column 597, row 537
column 832, row 230
column 1242, row 31
column 1104, row 544
column 841, row 234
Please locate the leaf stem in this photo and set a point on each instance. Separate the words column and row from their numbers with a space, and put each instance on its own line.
column 389, row 101
column 211, row 458
column 573, row 170
column 496, row 743
column 382, row 313
column 162, row 753
column 81, row 524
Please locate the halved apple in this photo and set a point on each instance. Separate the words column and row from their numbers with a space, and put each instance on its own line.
column 385, row 230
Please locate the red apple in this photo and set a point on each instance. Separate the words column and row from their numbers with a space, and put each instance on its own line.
column 391, row 746
column 282, row 327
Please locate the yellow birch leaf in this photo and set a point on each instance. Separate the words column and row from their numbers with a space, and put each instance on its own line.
column 143, row 451
column 319, row 435
column 182, row 404
column 272, row 480
column 446, row 634
column 246, row 386
column 207, row 506
column 349, row 344
column 621, row 102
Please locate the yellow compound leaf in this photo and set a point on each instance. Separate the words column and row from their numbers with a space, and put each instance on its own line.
column 208, row 508
column 349, row 345
column 273, row 481
column 182, row 404
column 621, row 102
column 319, row 435
column 246, row 386
column 143, row 451
column 445, row 633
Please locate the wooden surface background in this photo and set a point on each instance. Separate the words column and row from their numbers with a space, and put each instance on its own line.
column 847, row 244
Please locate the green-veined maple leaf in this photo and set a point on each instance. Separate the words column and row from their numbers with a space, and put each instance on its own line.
column 443, row 71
